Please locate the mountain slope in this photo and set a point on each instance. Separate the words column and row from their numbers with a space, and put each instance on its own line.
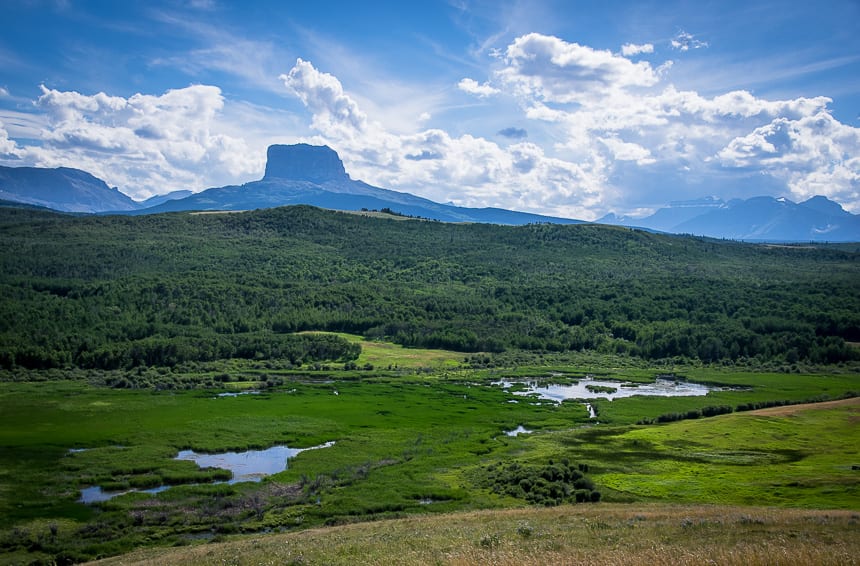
column 754, row 219
column 63, row 189
column 315, row 175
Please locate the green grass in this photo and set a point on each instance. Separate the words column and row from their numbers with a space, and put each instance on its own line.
column 407, row 443
column 799, row 456
column 384, row 355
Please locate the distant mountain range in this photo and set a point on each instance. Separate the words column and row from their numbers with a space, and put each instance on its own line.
column 315, row 175
column 756, row 219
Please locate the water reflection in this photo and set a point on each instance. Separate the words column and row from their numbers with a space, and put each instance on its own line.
column 249, row 465
column 589, row 388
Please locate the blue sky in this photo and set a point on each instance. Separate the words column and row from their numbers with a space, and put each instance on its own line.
column 567, row 108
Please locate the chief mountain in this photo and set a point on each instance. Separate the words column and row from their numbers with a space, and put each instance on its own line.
column 315, row 175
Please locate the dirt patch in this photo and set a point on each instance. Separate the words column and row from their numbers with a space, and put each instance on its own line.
column 794, row 409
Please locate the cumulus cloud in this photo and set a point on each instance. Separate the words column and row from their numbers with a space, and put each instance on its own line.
column 627, row 151
column 8, row 148
column 332, row 109
column 603, row 131
column 144, row 144
column 469, row 170
column 473, row 87
column 618, row 127
column 553, row 70
column 630, row 49
column 814, row 155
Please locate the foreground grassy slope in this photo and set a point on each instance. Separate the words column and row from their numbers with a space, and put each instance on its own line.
column 605, row 534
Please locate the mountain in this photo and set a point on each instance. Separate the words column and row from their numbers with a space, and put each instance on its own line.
column 755, row 219
column 315, row 175
column 63, row 189
column 158, row 199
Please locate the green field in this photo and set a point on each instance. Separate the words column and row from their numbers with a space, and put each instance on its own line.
column 416, row 443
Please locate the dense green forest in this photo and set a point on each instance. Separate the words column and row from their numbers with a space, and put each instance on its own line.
column 115, row 292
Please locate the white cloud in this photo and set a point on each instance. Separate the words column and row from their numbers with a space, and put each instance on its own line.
column 615, row 130
column 627, row 151
column 473, row 87
column 334, row 112
column 551, row 69
column 469, row 170
column 7, row 147
column 684, row 41
column 814, row 155
column 144, row 144
column 602, row 132
column 629, row 49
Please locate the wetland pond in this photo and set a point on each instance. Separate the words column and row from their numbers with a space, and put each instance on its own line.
column 590, row 388
column 246, row 466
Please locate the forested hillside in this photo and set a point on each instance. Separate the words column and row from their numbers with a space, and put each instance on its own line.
column 119, row 292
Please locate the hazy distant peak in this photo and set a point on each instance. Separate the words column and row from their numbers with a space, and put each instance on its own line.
column 824, row 205
column 303, row 162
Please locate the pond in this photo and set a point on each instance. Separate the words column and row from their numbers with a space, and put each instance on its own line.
column 590, row 388
column 249, row 465
column 246, row 466
column 518, row 431
column 96, row 494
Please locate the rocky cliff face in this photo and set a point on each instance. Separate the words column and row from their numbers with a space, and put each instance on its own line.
column 302, row 162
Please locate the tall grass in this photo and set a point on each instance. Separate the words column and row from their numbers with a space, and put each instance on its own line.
column 595, row 535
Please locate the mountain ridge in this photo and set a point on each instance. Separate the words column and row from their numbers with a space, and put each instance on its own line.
column 316, row 176
column 761, row 218
column 62, row 188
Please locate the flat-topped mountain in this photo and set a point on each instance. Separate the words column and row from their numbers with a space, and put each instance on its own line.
column 303, row 162
column 315, row 175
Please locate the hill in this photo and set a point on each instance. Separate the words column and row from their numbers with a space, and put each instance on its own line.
column 121, row 292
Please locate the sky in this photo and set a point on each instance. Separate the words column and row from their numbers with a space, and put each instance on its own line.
column 566, row 108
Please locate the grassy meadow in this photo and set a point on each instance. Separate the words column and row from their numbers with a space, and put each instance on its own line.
column 420, row 436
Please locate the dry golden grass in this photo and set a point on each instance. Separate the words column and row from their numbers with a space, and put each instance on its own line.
column 794, row 409
column 586, row 534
